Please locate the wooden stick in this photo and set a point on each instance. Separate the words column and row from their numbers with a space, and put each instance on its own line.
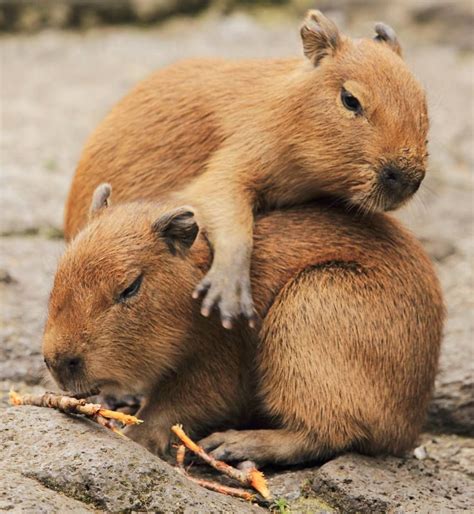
column 125, row 419
column 71, row 405
column 208, row 484
column 252, row 477
column 180, row 454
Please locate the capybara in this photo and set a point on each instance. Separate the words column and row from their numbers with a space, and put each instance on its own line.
column 344, row 359
column 234, row 138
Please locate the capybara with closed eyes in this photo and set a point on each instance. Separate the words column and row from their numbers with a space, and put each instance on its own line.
column 235, row 137
column 345, row 357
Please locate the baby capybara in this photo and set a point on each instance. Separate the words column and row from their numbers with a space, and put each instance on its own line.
column 235, row 137
column 344, row 359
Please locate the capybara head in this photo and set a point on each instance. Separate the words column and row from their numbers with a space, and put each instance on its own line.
column 360, row 93
column 116, row 316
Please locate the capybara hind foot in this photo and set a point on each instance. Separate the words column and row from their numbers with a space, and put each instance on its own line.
column 260, row 446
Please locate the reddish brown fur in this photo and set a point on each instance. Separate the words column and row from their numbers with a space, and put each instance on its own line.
column 232, row 137
column 345, row 357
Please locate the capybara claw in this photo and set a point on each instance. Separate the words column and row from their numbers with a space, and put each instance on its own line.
column 226, row 322
column 232, row 297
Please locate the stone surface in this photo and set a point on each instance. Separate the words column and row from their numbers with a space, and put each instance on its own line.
column 31, row 263
column 442, row 482
column 444, row 21
column 354, row 483
column 100, row 469
column 448, row 236
column 19, row 493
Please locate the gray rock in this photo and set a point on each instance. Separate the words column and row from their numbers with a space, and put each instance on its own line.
column 6, row 278
column 452, row 407
column 19, row 493
column 360, row 484
column 146, row 11
column 439, row 249
column 450, row 21
column 446, row 234
column 451, row 452
column 294, row 488
column 102, row 470
column 23, row 304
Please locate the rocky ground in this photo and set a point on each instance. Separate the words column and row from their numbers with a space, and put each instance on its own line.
column 56, row 86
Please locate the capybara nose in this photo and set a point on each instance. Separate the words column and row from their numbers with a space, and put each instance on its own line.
column 68, row 366
column 399, row 184
column 66, row 369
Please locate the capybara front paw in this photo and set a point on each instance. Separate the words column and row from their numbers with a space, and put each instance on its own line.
column 228, row 291
column 156, row 441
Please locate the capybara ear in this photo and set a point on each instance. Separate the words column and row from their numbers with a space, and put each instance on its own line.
column 100, row 198
column 178, row 228
column 387, row 35
column 320, row 36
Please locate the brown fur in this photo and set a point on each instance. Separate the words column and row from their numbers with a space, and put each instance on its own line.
column 345, row 357
column 231, row 138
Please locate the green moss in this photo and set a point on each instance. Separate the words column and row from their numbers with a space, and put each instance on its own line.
column 280, row 506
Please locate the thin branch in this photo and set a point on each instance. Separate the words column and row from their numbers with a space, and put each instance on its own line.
column 208, row 484
column 251, row 477
column 71, row 405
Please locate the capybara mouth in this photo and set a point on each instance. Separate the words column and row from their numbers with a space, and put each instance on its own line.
column 76, row 387
column 380, row 199
column 86, row 393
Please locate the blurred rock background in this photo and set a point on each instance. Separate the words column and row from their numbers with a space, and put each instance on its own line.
column 445, row 20
column 64, row 63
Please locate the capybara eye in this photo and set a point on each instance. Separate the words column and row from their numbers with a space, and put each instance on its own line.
column 350, row 102
column 131, row 290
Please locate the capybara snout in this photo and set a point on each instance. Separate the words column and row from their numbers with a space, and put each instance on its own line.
column 399, row 184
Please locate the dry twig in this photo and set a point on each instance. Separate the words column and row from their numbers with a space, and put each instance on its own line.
column 208, row 484
column 71, row 405
column 251, row 477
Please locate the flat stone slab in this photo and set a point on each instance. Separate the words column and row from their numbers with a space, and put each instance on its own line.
column 94, row 468
column 354, row 483
column 19, row 493
column 50, row 454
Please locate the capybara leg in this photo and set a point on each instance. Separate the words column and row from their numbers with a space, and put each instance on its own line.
column 154, row 434
column 260, row 446
column 224, row 210
column 227, row 284
column 204, row 394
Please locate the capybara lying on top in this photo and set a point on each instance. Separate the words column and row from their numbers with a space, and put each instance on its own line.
column 232, row 138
